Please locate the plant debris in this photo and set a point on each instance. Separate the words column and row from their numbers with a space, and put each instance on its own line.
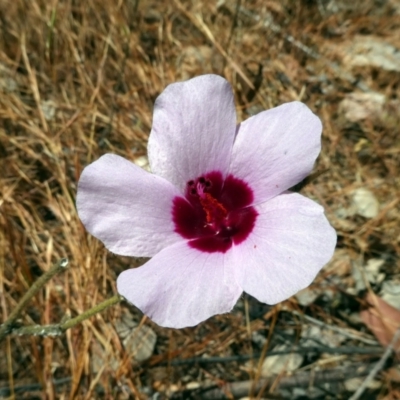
column 78, row 80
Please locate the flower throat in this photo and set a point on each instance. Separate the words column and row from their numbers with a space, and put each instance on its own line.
column 215, row 213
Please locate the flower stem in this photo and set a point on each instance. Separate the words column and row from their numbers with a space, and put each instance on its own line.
column 92, row 311
column 7, row 326
column 60, row 328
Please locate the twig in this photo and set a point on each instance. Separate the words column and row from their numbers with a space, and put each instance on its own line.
column 342, row 331
column 379, row 365
column 59, row 329
column 6, row 327
column 371, row 351
column 6, row 391
column 299, row 379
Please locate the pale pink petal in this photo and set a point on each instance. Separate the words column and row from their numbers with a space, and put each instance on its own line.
column 181, row 286
column 125, row 207
column 291, row 242
column 194, row 126
column 276, row 149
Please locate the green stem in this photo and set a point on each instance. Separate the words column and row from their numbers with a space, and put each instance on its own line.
column 60, row 328
column 89, row 313
column 7, row 326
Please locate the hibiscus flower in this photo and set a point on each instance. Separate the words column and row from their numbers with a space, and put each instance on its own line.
column 215, row 215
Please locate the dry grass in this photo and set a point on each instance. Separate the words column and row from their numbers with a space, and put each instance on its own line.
column 78, row 80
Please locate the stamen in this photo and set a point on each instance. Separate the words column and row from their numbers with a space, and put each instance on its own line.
column 200, row 189
column 215, row 211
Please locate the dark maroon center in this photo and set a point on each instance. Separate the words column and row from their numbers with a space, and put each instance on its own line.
column 215, row 214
